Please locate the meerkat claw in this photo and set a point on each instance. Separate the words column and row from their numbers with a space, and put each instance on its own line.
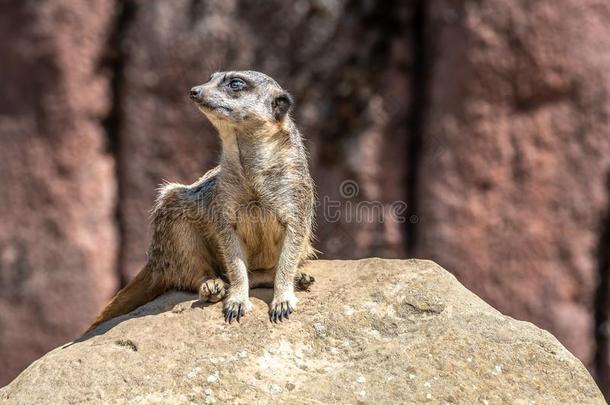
column 280, row 312
column 240, row 312
column 235, row 310
column 228, row 314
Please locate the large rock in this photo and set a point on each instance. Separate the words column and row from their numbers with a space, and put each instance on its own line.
column 370, row 331
column 57, row 199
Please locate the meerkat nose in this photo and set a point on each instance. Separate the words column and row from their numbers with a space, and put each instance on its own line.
column 196, row 92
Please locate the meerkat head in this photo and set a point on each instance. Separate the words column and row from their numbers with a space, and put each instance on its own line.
column 244, row 99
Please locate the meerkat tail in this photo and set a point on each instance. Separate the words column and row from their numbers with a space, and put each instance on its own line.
column 138, row 292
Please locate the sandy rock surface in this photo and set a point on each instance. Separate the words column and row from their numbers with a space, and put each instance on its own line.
column 369, row 331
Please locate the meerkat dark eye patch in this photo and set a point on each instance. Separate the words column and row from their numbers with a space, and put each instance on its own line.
column 236, row 84
column 281, row 105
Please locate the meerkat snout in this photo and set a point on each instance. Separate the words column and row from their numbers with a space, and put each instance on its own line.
column 196, row 93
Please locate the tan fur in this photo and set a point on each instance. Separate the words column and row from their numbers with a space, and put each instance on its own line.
column 247, row 222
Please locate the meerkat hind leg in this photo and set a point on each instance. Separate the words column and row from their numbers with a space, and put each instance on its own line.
column 213, row 290
column 303, row 281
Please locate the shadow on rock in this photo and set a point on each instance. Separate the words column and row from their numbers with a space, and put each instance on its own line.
column 173, row 301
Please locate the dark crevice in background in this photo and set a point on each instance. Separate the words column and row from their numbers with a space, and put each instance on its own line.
column 417, row 118
column 114, row 63
column 196, row 11
column 602, row 307
column 361, row 71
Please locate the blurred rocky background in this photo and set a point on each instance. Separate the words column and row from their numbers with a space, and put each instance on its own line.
column 490, row 119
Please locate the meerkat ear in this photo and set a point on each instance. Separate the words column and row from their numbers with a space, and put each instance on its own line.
column 281, row 105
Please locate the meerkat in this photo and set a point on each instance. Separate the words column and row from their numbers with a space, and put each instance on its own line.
column 246, row 223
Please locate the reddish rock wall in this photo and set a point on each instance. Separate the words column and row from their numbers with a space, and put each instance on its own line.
column 57, row 200
column 516, row 152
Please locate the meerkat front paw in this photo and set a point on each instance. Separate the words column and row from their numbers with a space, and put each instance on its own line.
column 282, row 306
column 212, row 290
column 235, row 307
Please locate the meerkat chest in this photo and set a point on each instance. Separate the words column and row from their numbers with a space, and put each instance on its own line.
column 261, row 232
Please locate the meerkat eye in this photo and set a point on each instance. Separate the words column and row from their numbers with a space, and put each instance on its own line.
column 237, row 84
